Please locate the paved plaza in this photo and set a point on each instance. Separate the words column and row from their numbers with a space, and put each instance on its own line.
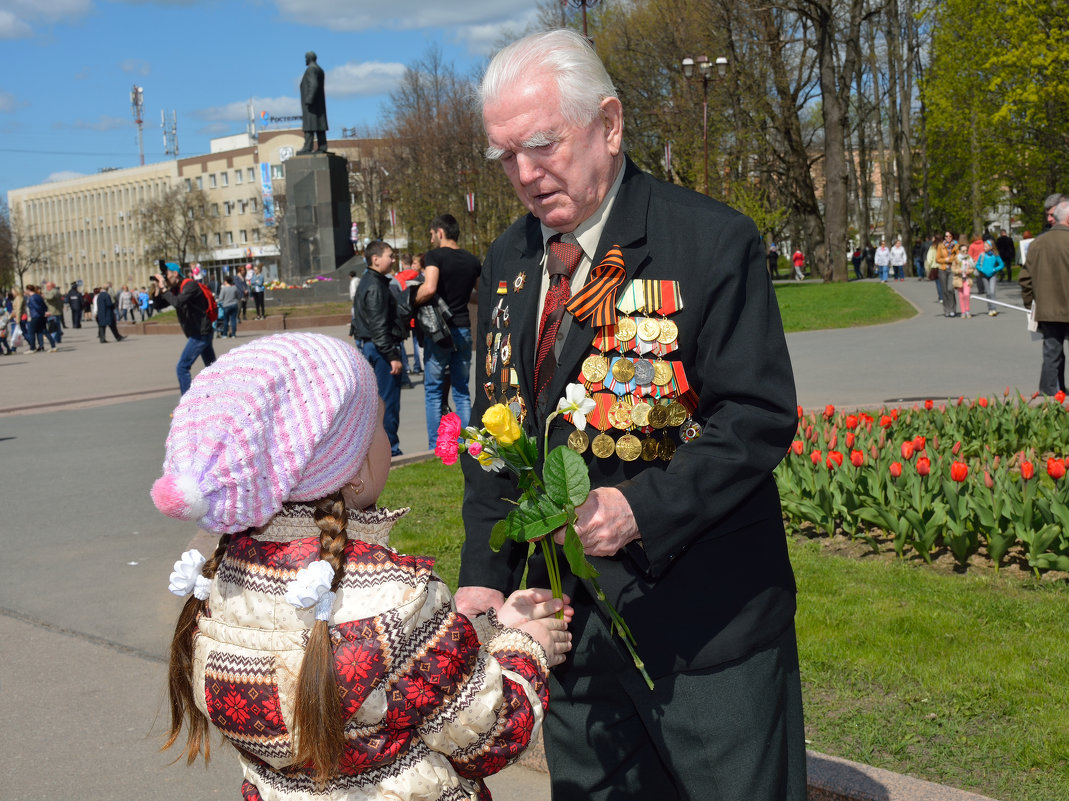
column 85, row 617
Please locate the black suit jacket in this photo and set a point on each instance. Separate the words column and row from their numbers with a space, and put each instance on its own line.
column 711, row 581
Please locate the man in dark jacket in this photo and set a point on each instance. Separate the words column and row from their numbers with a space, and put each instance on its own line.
column 74, row 300
column 313, row 106
column 1007, row 251
column 104, row 312
column 378, row 333
column 191, row 305
column 1044, row 278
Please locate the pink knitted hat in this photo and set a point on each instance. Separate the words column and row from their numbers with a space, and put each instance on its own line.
column 288, row 417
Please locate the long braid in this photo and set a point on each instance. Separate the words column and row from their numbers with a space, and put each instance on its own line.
column 320, row 736
column 180, row 670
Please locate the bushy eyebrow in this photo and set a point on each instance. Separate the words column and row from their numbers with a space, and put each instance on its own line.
column 537, row 139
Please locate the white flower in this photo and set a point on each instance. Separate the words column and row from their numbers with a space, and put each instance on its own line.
column 310, row 584
column 576, row 403
column 187, row 571
column 492, row 464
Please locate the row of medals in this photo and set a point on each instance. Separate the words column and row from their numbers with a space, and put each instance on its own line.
column 627, row 413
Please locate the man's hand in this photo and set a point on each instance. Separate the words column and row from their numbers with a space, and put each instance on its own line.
column 605, row 523
column 472, row 601
column 395, row 367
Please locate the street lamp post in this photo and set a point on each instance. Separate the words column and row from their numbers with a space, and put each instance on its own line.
column 705, row 69
column 581, row 4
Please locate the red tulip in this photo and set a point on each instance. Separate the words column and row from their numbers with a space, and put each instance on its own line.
column 894, row 415
column 1055, row 468
column 809, row 435
column 829, row 412
column 957, row 448
column 801, row 412
column 850, row 439
column 816, row 456
column 885, row 420
column 982, row 402
column 918, row 443
column 851, row 421
column 1027, row 470
column 857, row 458
column 961, row 399
column 928, row 404
column 797, row 447
column 988, row 481
column 1059, row 396
column 833, row 440
column 1006, row 392
column 895, row 469
column 907, row 450
column 958, row 470
column 835, row 456
column 924, row 467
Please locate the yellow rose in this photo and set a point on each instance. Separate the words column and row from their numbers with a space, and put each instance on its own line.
column 501, row 424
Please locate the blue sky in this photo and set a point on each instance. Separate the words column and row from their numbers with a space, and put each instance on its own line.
column 67, row 68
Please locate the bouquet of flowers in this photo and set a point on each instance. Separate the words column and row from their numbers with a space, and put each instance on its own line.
column 548, row 501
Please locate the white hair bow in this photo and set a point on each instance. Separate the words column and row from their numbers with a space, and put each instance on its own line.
column 187, row 577
column 312, row 587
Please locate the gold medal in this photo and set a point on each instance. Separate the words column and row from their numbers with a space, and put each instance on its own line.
column 628, row 447
column 626, row 330
column 640, row 414
column 669, row 332
column 595, row 368
column 659, row 416
column 677, row 413
column 603, row 446
column 666, row 450
column 650, row 449
column 620, row 415
column 662, row 373
column 623, row 370
column 578, row 441
column 648, row 329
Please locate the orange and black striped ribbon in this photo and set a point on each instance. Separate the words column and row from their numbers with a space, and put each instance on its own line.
column 597, row 298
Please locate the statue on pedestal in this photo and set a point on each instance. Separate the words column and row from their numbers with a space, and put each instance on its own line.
column 313, row 107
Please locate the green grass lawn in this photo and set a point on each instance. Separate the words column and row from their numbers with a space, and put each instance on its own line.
column 957, row 679
column 811, row 307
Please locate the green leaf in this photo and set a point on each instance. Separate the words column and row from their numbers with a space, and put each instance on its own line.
column 573, row 552
column 566, row 476
column 537, row 517
column 498, row 534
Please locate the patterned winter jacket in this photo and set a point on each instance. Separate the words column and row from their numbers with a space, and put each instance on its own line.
column 429, row 709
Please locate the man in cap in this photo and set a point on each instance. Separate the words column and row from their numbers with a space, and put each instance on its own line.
column 191, row 305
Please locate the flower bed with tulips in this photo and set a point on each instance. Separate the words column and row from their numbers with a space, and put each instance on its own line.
column 985, row 476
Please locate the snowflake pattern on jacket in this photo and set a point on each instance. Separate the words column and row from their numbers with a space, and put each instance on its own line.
column 429, row 709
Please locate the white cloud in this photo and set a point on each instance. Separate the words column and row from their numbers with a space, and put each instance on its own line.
column 136, row 66
column 216, row 129
column 238, row 110
column 17, row 16
column 66, row 175
column 7, row 102
column 402, row 14
column 363, row 78
column 102, row 123
column 11, row 27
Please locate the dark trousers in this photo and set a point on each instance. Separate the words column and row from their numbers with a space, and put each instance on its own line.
column 76, row 317
column 258, row 299
column 389, row 390
column 102, row 331
column 1052, row 374
column 320, row 138
column 726, row 733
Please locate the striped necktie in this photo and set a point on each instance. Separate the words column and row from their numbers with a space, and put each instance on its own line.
column 561, row 260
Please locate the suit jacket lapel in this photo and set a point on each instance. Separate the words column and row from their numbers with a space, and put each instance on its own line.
column 626, row 227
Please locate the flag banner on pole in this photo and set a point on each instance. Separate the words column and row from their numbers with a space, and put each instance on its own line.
column 268, row 195
column 470, row 197
column 393, row 217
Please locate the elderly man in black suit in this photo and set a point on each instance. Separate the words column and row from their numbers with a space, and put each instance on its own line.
column 656, row 299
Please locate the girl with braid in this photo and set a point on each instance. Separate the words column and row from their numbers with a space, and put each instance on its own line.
column 337, row 667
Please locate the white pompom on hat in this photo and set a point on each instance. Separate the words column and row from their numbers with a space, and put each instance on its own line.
column 288, row 417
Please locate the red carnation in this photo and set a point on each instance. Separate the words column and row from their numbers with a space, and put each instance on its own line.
column 958, row 470
column 446, row 447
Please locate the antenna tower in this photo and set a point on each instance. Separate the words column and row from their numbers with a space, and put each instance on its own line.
column 170, row 135
column 137, row 104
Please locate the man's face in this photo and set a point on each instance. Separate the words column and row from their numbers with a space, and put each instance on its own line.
column 561, row 172
column 436, row 237
column 382, row 262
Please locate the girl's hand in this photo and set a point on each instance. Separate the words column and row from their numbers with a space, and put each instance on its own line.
column 532, row 604
column 552, row 635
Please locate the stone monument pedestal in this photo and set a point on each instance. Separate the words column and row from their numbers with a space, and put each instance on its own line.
column 314, row 236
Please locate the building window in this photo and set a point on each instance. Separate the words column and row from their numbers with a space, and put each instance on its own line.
column 215, row 209
column 252, row 204
column 200, row 185
column 204, row 240
column 242, row 206
column 277, row 172
column 189, row 185
column 255, row 234
column 224, row 178
column 218, row 239
column 211, row 180
column 251, row 173
column 226, row 208
column 230, row 237
column 237, row 176
column 243, row 236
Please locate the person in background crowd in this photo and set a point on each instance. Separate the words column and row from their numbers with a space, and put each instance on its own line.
column 243, row 293
column 988, row 268
column 898, row 260
column 1044, row 279
column 855, row 260
column 883, row 259
column 1007, row 253
column 920, row 251
column 404, row 286
column 74, row 300
column 191, row 306
column 976, row 246
column 946, row 257
column 256, row 287
column 54, row 298
column 773, row 261
column 1026, row 242
column 964, row 268
column 5, row 332
column 37, row 311
column 931, row 266
column 229, row 305
column 1048, row 210
column 798, row 259
column 144, row 304
column 126, row 304
column 104, row 313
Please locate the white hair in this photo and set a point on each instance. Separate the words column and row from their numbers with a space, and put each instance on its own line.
column 1061, row 213
column 582, row 82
